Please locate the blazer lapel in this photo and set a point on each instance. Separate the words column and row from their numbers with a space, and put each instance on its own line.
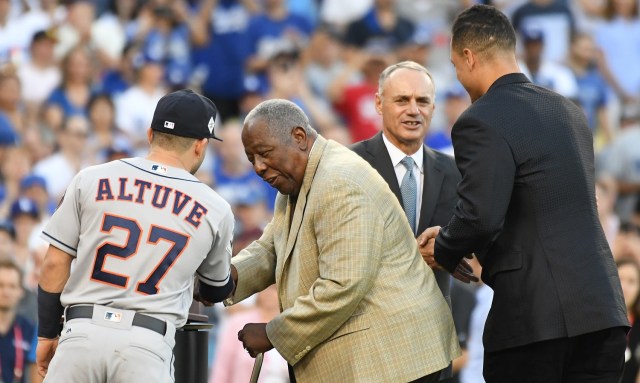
column 433, row 178
column 382, row 163
column 298, row 214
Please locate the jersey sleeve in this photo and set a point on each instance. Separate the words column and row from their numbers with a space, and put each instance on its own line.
column 63, row 229
column 215, row 269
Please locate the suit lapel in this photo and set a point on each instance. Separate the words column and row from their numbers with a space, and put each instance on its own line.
column 298, row 214
column 433, row 178
column 382, row 162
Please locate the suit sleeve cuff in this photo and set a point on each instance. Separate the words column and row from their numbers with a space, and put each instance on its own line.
column 445, row 258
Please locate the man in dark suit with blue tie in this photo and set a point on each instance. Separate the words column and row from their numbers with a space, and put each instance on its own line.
column 527, row 209
column 424, row 180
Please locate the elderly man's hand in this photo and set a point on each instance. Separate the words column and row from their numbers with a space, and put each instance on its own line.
column 254, row 338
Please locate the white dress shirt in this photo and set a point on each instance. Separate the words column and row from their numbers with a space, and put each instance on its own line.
column 418, row 170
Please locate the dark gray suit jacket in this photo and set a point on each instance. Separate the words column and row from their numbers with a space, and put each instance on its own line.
column 527, row 209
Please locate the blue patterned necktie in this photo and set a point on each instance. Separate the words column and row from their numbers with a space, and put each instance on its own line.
column 409, row 190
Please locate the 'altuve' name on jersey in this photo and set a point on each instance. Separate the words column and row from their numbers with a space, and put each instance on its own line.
column 158, row 196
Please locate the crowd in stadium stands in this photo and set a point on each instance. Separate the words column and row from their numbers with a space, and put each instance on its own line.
column 79, row 81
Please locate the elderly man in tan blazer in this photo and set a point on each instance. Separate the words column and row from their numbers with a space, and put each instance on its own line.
column 358, row 303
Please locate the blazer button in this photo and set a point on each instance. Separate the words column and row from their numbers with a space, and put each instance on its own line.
column 308, row 348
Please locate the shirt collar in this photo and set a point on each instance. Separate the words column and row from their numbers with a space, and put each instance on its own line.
column 397, row 155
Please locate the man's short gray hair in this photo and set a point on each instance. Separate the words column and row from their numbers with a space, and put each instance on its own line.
column 402, row 65
column 281, row 116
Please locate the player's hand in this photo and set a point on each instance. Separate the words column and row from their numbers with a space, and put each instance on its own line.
column 44, row 353
column 254, row 338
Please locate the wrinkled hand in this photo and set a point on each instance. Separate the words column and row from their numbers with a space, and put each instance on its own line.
column 44, row 353
column 254, row 338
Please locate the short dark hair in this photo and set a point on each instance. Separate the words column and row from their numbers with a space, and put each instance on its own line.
column 170, row 142
column 8, row 263
column 481, row 28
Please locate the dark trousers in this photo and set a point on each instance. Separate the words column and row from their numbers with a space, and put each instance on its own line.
column 432, row 378
column 596, row 357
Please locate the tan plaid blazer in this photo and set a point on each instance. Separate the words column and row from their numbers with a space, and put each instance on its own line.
column 358, row 302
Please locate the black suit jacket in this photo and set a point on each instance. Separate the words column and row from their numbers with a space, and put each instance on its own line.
column 527, row 209
column 439, row 197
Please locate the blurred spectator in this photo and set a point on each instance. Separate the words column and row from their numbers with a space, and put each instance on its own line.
column 17, row 335
column 252, row 216
column 268, row 29
column 25, row 216
column 592, row 88
column 607, row 193
column 8, row 138
column 543, row 72
column 221, row 47
column 588, row 14
column 13, row 168
column 167, row 42
column 117, row 80
column 627, row 243
column 135, row 106
column 286, row 80
column 104, row 134
column 34, row 187
column 339, row 14
column 456, row 101
column 233, row 364
column 553, row 19
column 381, row 28
column 355, row 100
column 629, row 273
column 73, row 94
column 11, row 36
column 79, row 30
column 624, row 160
column 115, row 27
column 472, row 371
column 463, row 301
column 59, row 168
column 11, row 99
column 322, row 60
column 619, row 40
column 418, row 47
column 39, row 75
column 233, row 174
column 7, row 240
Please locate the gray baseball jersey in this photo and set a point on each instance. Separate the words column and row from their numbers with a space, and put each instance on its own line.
column 139, row 231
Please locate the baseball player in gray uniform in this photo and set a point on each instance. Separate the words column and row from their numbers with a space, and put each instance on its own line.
column 125, row 243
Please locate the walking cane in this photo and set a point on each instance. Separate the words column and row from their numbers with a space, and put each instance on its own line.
column 257, row 365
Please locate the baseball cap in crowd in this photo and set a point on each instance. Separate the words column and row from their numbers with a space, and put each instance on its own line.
column 33, row 180
column 7, row 226
column 8, row 136
column 44, row 35
column 532, row 35
column 422, row 35
column 185, row 113
column 24, row 206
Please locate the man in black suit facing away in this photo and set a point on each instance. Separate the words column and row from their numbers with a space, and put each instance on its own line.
column 406, row 101
column 527, row 209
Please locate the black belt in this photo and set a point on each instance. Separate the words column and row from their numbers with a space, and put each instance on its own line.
column 140, row 320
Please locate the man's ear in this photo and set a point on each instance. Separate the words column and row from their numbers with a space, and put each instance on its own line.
column 299, row 136
column 470, row 58
column 378, row 103
column 200, row 146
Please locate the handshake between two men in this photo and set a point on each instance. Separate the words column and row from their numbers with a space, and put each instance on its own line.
column 426, row 245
